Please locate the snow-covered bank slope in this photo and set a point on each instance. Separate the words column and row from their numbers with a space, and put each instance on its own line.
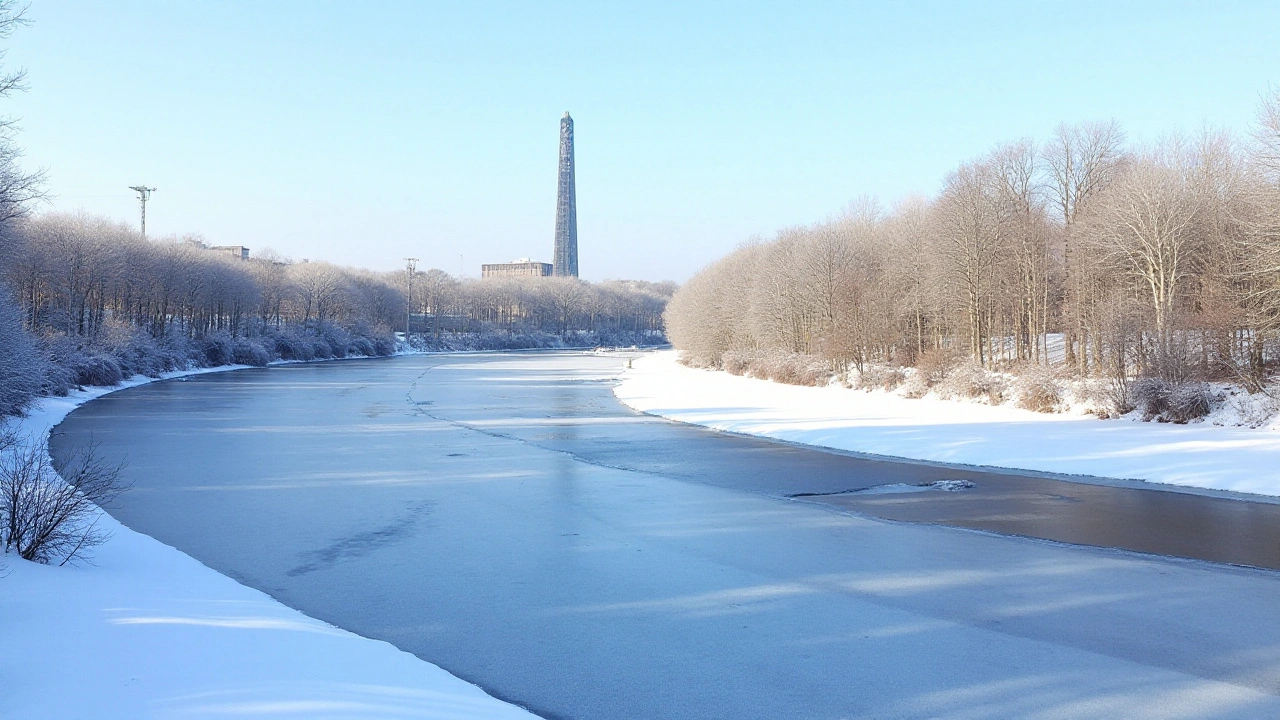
column 148, row 632
column 1234, row 459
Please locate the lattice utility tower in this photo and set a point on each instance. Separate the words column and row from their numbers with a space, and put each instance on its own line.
column 565, row 260
column 144, row 194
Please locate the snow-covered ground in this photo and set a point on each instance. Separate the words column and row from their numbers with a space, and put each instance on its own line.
column 1195, row 455
column 148, row 632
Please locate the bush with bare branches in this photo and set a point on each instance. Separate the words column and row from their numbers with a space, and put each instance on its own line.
column 782, row 367
column 971, row 380
column 50, row 518
column 1037, row 389
column 881, row 377
column 1169, row 401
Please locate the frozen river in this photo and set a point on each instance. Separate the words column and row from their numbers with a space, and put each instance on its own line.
column 504, row 517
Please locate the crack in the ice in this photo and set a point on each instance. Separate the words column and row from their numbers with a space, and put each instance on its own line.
column 361, row 543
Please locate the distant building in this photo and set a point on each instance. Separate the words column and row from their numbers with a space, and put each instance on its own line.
column 524, row 267
column 237, row 251
column 565, row 250
column 566, row 246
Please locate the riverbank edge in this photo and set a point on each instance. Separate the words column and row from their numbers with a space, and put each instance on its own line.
column 64, row 660
column 625, row 390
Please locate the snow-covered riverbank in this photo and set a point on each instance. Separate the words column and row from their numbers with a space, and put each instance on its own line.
column 1203, row 456
column 148, row 632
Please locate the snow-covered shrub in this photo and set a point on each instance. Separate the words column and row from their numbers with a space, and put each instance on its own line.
column 300, row 347
column 83, row 364
column 779, row 366
column 384, row 344
column 93, row 368
column 320, row 348
column 881, row 377
column 1188, row 401
column 371, row 341
column 361, row 346
column 971, row 380
column 137, row 352
column 175, row 351
column 769, row 365
column 336, row 339
column 23, row 369
column 1037, row 389
column 933, row 366
column 1150, row 396
column 914, row 388
column 216, row 349
column 1161, row 400
column 801, row 370
column 1119, row 398
column 291, row 346
column 249, row 351
column 1240, row 407
column 734, row 362
column 58, row 380
column 811, row 370
column 497, row 338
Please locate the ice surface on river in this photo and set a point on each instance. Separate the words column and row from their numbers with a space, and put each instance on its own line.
column 506, row 518
column 147, row 632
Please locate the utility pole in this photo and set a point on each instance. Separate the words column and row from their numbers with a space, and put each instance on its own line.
column 144, row 194
column 410, row 265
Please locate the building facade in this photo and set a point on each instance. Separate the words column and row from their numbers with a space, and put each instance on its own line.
column 518, row 268
column 237, row 251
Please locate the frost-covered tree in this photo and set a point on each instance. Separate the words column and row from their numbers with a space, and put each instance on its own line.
column 1160, row 261
column 18, row 187
column 22, row 365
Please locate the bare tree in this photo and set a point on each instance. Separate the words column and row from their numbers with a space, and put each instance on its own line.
column 1026, row 248
column 1080, row 160
column 1165, row 261
column 18, row 189
column 970, row 223
column 1145, row 225
column 320, row 287
column 1266, row 134
column 914, row 275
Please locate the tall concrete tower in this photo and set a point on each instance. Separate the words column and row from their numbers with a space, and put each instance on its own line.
column 566, row 251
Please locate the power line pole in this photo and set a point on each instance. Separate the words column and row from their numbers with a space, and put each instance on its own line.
column 144, row 194
column 410, row 265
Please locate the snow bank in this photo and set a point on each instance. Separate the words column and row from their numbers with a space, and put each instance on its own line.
column 1200, row 455
column 148, row 632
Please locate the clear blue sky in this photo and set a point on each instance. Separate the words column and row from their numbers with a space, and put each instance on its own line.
column 364, row 132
